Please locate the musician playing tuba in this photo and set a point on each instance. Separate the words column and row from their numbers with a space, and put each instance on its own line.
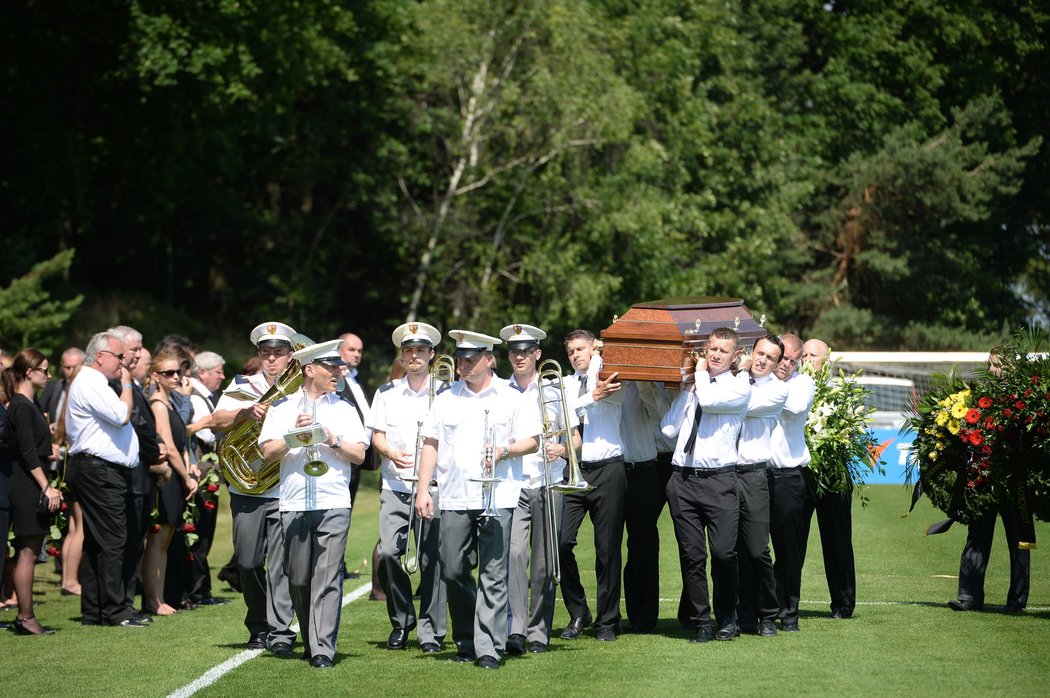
column 317, row 436
column 531, row 620
column 398, row 411
column 474, row 438
column 258, row 540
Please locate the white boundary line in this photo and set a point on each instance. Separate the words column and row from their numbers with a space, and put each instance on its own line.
column 215, row 673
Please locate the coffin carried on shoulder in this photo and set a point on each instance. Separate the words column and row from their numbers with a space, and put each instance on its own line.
column 651, row 341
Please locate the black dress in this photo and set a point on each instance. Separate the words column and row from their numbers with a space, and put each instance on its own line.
column 27, row 439
column 172, row 496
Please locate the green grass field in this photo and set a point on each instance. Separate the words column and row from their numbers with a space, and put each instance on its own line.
column 903, row 639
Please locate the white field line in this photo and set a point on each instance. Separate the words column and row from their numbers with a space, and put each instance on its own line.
column 888, row 603
column 217, row 672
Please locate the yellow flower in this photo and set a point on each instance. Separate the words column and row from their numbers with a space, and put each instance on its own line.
column 953, row 426
column 933, row 455
column 942, row 419
column 959, row 410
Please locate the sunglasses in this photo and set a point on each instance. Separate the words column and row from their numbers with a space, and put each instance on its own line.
column 170, row 373
column 120, row 356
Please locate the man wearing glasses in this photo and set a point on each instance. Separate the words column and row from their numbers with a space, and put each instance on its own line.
column 258, row 540
column 104, row 450
column 788, row 528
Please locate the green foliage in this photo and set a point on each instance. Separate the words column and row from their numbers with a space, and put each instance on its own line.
column 29, row 316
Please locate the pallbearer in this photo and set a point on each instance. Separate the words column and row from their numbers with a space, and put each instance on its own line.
column 317, row 436
column 531, row 620
column 398, row 410
column 474, row 438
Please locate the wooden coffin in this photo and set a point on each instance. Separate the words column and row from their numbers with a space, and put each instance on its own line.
column 652, row 339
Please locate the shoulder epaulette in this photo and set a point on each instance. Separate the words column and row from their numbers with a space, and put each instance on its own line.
column 241, row 379
column 443, row 388
column 278, row 401
column 347, row 400
column 386, row 386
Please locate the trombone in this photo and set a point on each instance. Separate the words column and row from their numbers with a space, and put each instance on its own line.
column 550, row 390
column 442, row 372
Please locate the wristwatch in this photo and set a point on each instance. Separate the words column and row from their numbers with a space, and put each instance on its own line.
column 338, row 443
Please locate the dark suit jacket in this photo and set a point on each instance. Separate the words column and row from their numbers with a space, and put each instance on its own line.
column 49, row 398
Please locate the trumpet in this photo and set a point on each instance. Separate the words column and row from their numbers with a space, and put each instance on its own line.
column 442, row 372
column 315, row 467
column 488, row 480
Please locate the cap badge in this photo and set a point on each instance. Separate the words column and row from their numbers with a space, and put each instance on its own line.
column 517, row 329
column 271, row 329
column 413, row 328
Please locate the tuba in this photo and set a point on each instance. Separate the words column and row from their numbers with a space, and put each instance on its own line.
column 239, row 454
column 442, row 372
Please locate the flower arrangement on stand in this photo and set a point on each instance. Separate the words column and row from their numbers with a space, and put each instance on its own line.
column 840, row 444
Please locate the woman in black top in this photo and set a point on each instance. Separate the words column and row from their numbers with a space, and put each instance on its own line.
column 27, row 438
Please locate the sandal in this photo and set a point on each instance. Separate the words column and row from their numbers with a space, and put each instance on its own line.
column 31, row 626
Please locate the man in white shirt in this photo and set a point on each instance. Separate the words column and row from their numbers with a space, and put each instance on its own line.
column 398, row 410
column 598, row 405
column 531, row 533
column 702, row 492
column 103, row 451
column 474, row 438
column 315, row 492
column 258, row 538
column 789, row 525
column 757, row 596
column 351, row 353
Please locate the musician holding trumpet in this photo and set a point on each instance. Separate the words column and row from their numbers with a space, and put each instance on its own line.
column 317, row 436
column 406, row 546
column 474, row 438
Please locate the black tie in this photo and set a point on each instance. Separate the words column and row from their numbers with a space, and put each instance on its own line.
column 691, row 441
column 751, row 381
column 583, row 385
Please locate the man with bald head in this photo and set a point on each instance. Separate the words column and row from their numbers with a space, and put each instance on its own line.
column 835, row 519
column 787, row 483
column 350, row 352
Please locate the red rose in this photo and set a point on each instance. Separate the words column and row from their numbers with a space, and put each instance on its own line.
column 1007, row 412
column 212, row 487
column 189, row 528
column 209, row 505
column 989, row 423
column 984, row 403
column 1028, row 393
column 973, row 415
column 1019, row 404
column 53, row 551
column 190, row 557
column 971, row 484
column 986, row 450
column 155, row 528
column 1035, row 379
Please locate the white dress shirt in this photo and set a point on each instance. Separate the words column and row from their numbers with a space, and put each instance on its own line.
column 200, row 399
column 723, row 401
column 789, row 437
column 457, row 421
column 302, row 492
column 600, row 420
column 97, row 421
column 643, row 407
column 397, row 411
column 532, row 465
column 768, row 395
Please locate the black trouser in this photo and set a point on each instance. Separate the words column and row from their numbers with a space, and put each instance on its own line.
column 138, row 523
column 198, row 586
column 705, row 510
column 835, row 519
column 606, row 506
column 787, row 530
column 104, row 493
column 974, row 561
column 641, row 572
column 757, row 589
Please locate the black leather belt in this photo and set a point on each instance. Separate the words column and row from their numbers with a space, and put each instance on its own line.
column 787, row 471
column 703, row 472
column 749, row 467
column 639, row 465
column 94, row 460
column 595, row 464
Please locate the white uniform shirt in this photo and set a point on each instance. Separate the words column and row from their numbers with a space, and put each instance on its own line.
column 532, row 465
column 643, row 406
column 789, row 437
column 302, row 492
column 397, row 411
column 95, row 421
column 200, row 399
column 457, row 421
column 600, row 420
column 768, row 395
column 235, row 397
column 723, row 401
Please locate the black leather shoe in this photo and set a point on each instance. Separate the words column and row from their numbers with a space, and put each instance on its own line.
column 321, row 662
column 143, row 617
column 131, row 623
column 959, row 605
column 703, row 634
column 257, row 641
column 727, row 632
column 575, row 628
column 282, row 650
column 767, row 628
column 537, row 647
column 212, row 601
column 606, row 634
column 841, row 614
column 488, row 662
column 516, row 645
column 789, row 627
column 430, row 648
column 1013, row 608
column 398, row 638
column 462, row 658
